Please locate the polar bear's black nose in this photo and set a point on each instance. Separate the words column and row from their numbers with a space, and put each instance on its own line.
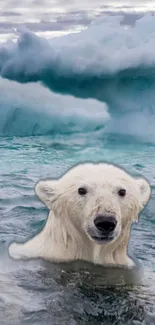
column 105, row 224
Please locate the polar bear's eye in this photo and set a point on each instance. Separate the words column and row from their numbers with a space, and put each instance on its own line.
column 122, row 192
column 82, row 191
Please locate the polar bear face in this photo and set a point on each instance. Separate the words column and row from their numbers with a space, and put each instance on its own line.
column 99, row 200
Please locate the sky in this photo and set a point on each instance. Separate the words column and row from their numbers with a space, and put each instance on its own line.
column 52, row 18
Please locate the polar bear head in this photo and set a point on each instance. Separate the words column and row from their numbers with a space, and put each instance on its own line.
column 99, row 200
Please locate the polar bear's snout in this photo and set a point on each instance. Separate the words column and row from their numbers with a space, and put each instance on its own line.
column 105, row 228
column 105, row 224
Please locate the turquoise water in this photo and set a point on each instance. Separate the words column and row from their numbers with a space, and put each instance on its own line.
column 35, row 292
column 97, row 103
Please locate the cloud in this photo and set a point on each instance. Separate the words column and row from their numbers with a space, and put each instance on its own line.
column 9, row 13
column 61, row 15
column 72, row 4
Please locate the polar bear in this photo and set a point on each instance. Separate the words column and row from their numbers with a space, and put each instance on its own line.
column 91, row 209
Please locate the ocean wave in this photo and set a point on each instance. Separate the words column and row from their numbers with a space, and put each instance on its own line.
column 106, row 63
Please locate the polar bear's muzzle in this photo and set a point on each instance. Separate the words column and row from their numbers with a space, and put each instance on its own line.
column 104, row 227
column 105, row 224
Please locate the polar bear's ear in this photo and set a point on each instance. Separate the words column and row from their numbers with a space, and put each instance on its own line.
column 45, row 190
column 145, row 190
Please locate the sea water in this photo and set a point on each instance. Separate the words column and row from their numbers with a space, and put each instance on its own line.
column 74, row 99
